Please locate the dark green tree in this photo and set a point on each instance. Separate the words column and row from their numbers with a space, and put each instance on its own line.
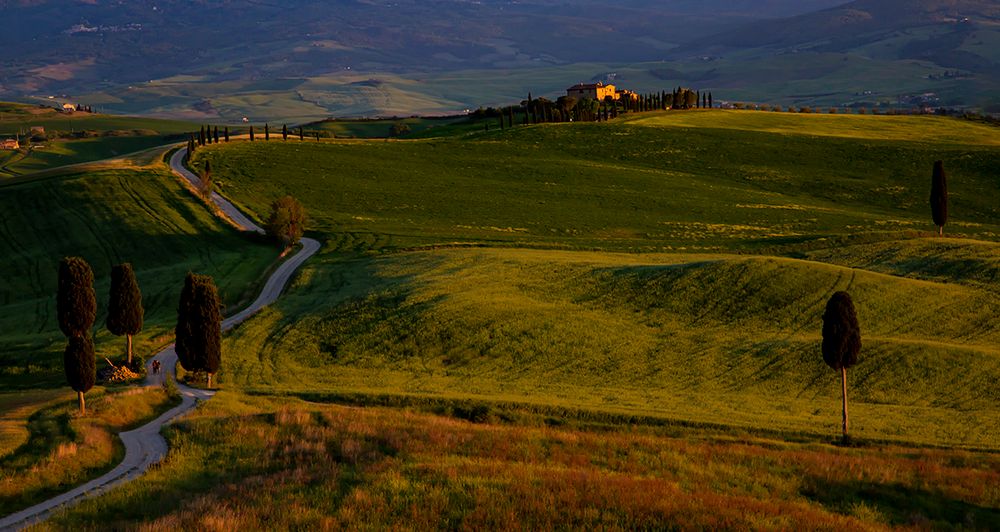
column 251, row 133
column 301, row 134
column 76, row 303
column 939, row 196
column 286, row 222
column 227, row 134
column 206, row 184
column 201, row 136
column 284, row 132
column 841, row 340
column 711, row 104
column 216, row 134
column 81, row 366
column 267, row 132
column 399, row 129
column 125, row 310
column 199, row 326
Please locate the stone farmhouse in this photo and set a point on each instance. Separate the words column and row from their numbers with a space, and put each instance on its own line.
column 599, row 91
column 9, row 144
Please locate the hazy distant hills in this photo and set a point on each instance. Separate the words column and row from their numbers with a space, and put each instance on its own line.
column 107, row 42
column 313, row 58
column 859, row 22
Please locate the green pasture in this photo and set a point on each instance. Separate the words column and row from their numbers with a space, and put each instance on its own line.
column 746, row 224
column 144, row 217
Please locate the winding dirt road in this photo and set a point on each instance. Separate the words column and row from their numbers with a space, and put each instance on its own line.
column 145, row 446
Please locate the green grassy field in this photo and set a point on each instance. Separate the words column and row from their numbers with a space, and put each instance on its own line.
column 19, row 118
column 692, row 332
column 141, row 216
column 347, row 128
column 600, row 325
column 623, row 185
column 108, row 136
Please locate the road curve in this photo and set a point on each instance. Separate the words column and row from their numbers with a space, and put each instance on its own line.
column 145, row 446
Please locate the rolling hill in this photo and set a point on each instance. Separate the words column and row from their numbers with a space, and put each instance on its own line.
column 403, row 307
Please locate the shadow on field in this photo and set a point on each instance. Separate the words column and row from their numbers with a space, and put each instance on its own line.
column 896, row 504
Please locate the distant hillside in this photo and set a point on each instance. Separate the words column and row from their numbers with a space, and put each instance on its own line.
column 304, row 60
column 854, row 23
column 58, row 45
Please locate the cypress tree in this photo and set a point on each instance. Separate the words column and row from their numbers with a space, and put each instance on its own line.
column 301, row 137
column 201, row 136
column 81, row 366
column 251, row 133
column 216, row 134
column 939, row 196
column 711, row 104
column 76, row 303
column 227, row 134
column 125, row 310
column 841, row 340
column 199, row 326
column 284, row 132
column 317, row 136
column 267, row 132
column 510, row 116
column 502, row 125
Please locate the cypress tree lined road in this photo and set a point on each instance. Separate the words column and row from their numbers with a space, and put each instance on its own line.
column 145, row 446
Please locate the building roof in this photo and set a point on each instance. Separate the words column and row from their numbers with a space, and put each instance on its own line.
column 585, row 86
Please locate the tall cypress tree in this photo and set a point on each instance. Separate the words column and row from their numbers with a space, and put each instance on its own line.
column 301, row 134
column 267, row 132
column 125, row 310
column 216, row 134
column 199, row 326
column 81, row 366
column 76, row 308
column 76, row 302
column 841, row 340
column 251, row 133
column 201, row 136
column 939, row 196
column 711, row 104
column 227, row 134
column 284, row 132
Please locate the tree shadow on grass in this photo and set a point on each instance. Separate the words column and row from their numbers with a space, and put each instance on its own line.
column 901, row 505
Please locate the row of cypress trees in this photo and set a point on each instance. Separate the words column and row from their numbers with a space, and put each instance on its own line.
column 569, row 109
column 198, row 330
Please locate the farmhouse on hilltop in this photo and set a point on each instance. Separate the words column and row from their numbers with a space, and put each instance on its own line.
column 9, row 144
column 598, row 91
column 68, row 108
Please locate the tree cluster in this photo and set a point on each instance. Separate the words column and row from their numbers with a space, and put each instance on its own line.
column 76, row 309
column 570, row 109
